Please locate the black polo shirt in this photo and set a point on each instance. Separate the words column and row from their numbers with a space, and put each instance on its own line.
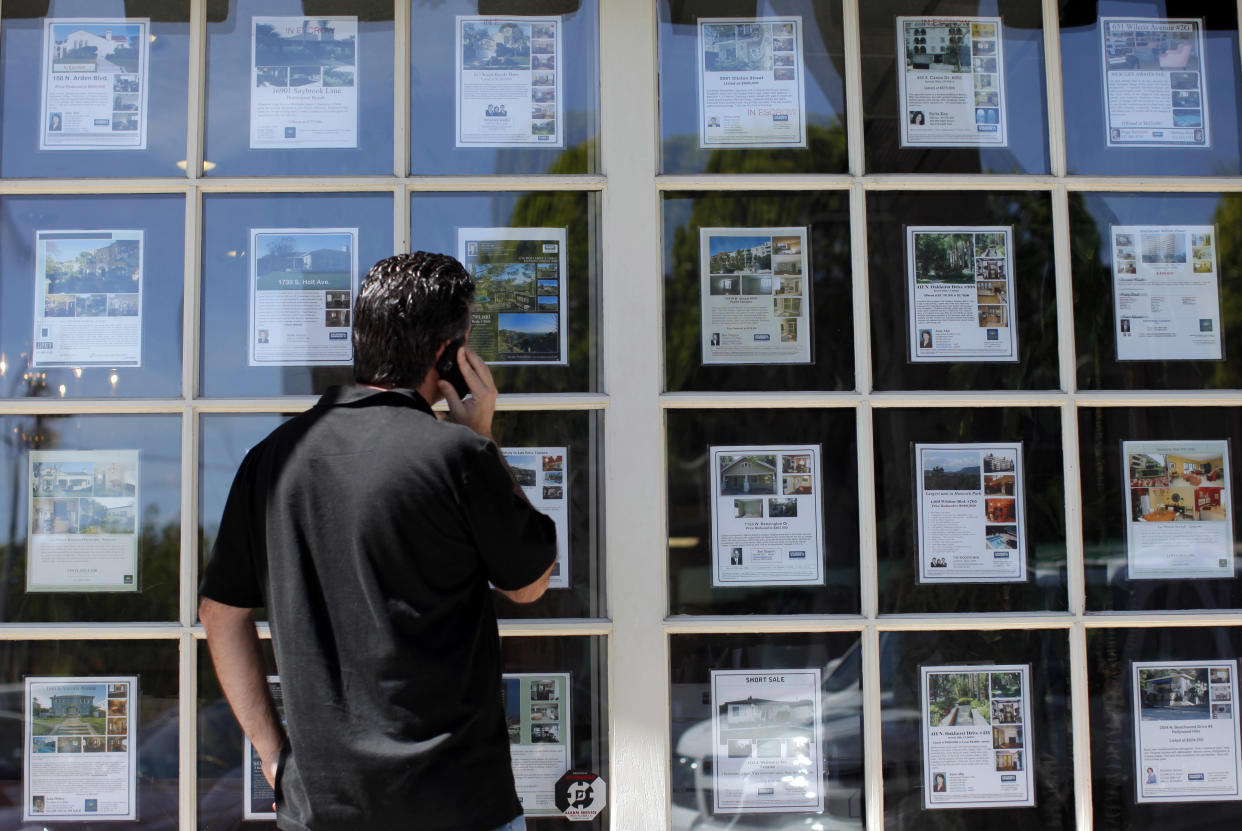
column 370, row 531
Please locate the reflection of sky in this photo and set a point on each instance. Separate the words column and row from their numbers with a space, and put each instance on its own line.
column 302, row 243
column 950, row 460
column 528, row 323
column 718, row 245
column 60, row 32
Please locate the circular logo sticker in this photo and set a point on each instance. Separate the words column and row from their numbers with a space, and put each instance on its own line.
column 580, row 795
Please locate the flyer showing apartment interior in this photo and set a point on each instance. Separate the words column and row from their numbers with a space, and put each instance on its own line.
column 304, row 82
column 1155, row 89
column 509, row 82
column 1166, row 293
column 767, row 732
column 971, row 514
column 258, row 796
column 519, row 312
column 751, row 87
column 1186, row 731
column 83, row 521
column 755, row 295
column 1178, row 506
column 961, row 293
column 541, row 472
column 88, row 298
column 80, row 753
column 977, row 736
column 302, row 287
column 94, row 94
column 540, row 736
column 951, row 90
column 767, row 522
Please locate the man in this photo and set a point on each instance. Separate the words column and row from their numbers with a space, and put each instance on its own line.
column 370, row 530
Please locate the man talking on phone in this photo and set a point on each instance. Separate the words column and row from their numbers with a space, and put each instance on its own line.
column 369, row 530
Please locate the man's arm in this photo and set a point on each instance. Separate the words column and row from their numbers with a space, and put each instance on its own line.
column 234, row 646
column 532, row 592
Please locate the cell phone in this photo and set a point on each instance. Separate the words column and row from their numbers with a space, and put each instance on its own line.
column 450, row 371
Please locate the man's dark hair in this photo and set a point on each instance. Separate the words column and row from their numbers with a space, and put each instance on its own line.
column 408, row 305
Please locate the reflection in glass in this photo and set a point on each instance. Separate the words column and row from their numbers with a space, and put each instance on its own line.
column 821, row 65
column 111, row 297
column 837, row 660
column 563, row 86
column 1104, row 475
column 1032, row 302
column 436, row 220
column 230, row 334
column 1096, row 327
column 826, row 289
column 1099, row 147
column 74, row 112
column 1016, row 88
column 897, row 431
column 690, row 434
column 156, row 518
column 1047, row 653
column 1110, row 655
column 249, row 131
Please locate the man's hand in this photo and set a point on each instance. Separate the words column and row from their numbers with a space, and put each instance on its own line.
column 270, row 763
column 477, row 410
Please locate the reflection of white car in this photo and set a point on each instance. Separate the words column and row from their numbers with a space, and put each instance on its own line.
column 841, row 700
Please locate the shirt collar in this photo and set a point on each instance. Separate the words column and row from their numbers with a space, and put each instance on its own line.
column 355, row 395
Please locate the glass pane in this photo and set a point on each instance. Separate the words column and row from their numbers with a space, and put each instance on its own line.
column 95, row 517
column 1195, row 135
column 527, row 129
column 834, row 659
column 823, row 334
column 818, row 64
column 129, row 122
column 336, row 66
column 691, row 433
column 315, row 227
column 584, row 659
column 1038, row 429
column 1007, row 89
column 550, row 350
column 1163, row 303
column 1032, row 289
column 902, row 654
column 1106, row 492
column 111, row 303
column 578, row 589
column 1114, row 785
column 154, row 718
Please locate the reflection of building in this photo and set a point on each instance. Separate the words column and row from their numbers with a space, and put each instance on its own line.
column 72, row 705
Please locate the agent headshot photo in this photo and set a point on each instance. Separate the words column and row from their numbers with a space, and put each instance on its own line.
column 916, row 117
column 925, row 339
column 938, row 784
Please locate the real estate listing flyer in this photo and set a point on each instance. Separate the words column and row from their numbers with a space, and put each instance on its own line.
column 82, row 509
column 767, row 734
column 541, row 744
column 755, row 295
column 751, row 87
column 971, row 513
column 259, row 798
column 1185, row 731
column 542, row 474
column 1178, row 506
column 302, row 287
column 80, row 755
column 88, row 298
column 767, row 522
column 1166, row 293
column 1155, row 89
column 961, row 294
column 519, row 312
column 951, row 90
column 304, row 82
column 509, row 82
column 977, row 736
column 95, row 75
